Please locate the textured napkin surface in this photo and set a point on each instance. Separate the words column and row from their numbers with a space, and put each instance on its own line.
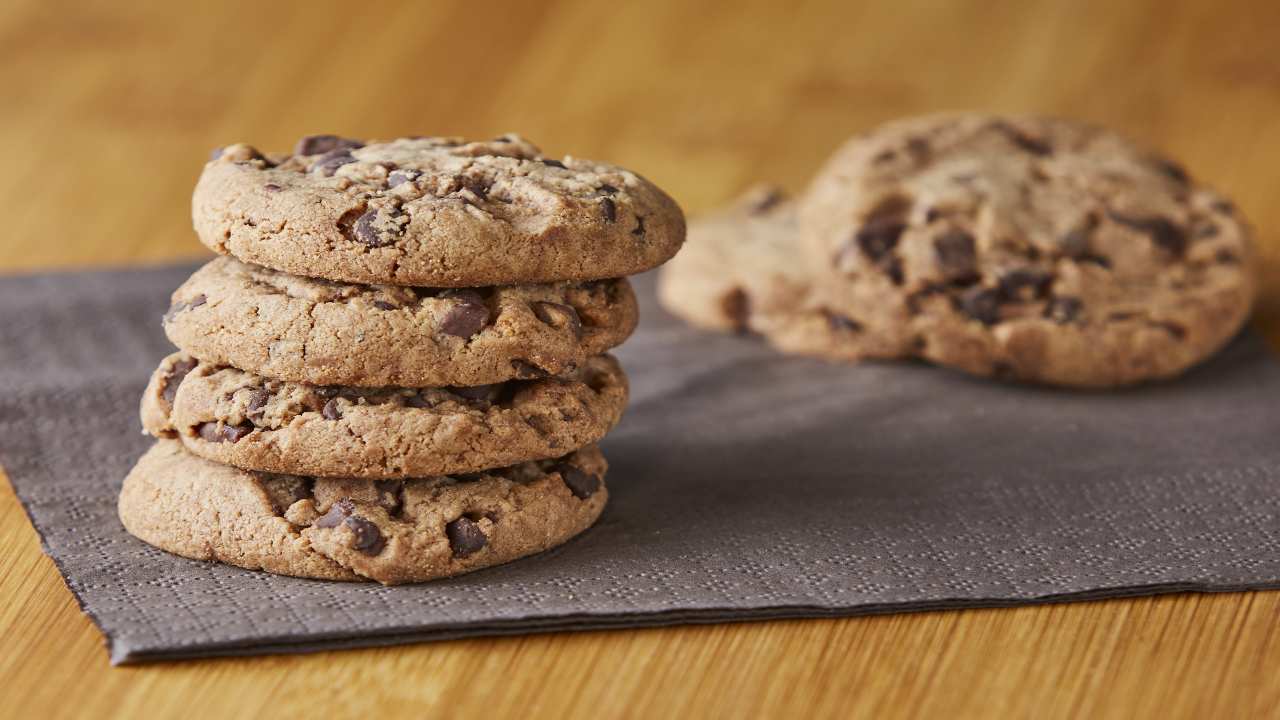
column 744, row 485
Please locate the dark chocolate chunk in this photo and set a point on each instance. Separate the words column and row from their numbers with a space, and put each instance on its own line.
column 981, row 304
column 552, row 163
column 465, row 537
column 338, row 512
column 638, row 230
column 390, row 495
column 400, row 177
column 581, row 483
column 216, row 432
column 329, row 162
column 366, row 537
column 173, row 378
column 258, row 398
column 607, row 189
column 384, row 305
column 272, row 187
column 1063, row 310
column 379, row 227
column 736, row 305
column 467, row 316
column 956, row 252
column 1161, row 230
column 609, row 209
column 879, row 236
column 1023, row 285
column 331, row 411
column 558, row 315
column 1226, row 257
column 317, row 144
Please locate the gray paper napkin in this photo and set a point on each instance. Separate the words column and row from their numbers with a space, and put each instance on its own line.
column 744, row 485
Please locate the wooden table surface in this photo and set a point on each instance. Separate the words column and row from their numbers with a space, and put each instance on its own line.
column 109, row 109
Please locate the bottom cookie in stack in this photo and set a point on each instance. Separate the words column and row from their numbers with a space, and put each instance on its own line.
column 391, row 531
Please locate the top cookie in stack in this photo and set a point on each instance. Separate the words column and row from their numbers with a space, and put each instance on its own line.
column 1021, row 248
column 399, row 371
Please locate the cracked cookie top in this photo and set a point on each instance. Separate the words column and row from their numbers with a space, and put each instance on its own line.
column 1034, row 248
column 391, row 531
column 326, row 333
column 257, row 423
column 440, row 212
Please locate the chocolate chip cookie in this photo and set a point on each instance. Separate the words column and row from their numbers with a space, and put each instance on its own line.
column 1028, row 248
column 395, row 531
column 325, row 333
column 433, row 212
column 740, row 271
column 257, row 423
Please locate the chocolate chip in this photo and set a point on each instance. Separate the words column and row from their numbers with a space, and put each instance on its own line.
column 932, row 215
column 581, row 483
column 1063, row 310
column 956, row 252
column 1024, row 141
column 1173, row 170
column 331, row 411
column 1162, row 231
column 272, row 187
column 1023, row 285
column 197, row 301
column 609, row 209
column 338, row 512
column 981, row 304
column 638, row 230
column 919, row 148
column 841, row 323
column 216, row 432
column 366, row 537
column 390, row 495
column 766, row 202
column 552, row 163
column 316, row 144
column 327, row 391
column 258, row 398
column 466, row 317
column 525, row 370
column 1226, row 257
column 380, row 227
column 736, row 306
column 892, row 267
column 558, row 315
column 883, row 226
column 478, row 186
column 465, row 537
column 329, row 162
column 173, row 378
column 1224, row 206
column 178, row 307
column 1075, row 243
column 400, row 177
column 384, row 305
column 607, row 189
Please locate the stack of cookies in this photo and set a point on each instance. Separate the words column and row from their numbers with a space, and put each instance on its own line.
column 1020, row 248
column 397, row 370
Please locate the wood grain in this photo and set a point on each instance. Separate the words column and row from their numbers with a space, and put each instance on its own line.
column 109, row 109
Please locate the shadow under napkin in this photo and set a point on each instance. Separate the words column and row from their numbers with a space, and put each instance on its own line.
column 745, row 485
